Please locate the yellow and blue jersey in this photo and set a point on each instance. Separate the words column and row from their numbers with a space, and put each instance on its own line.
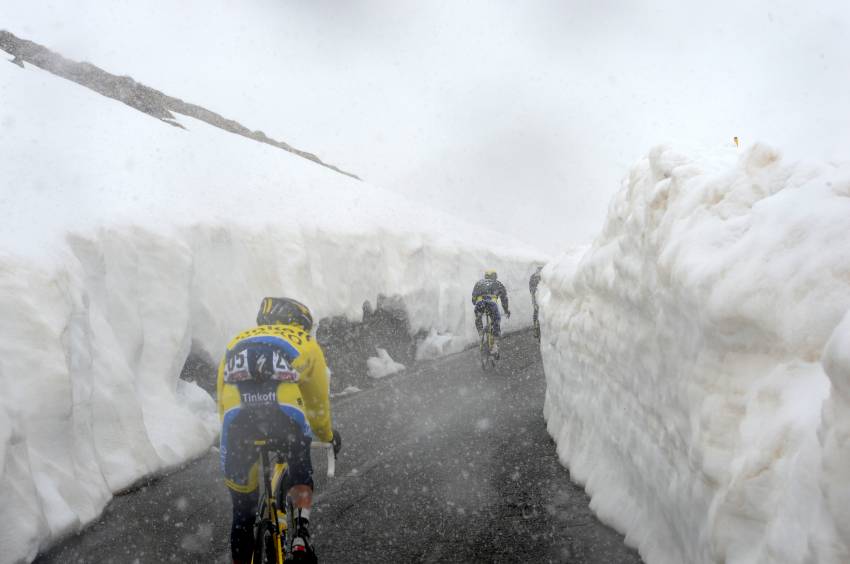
column 279, row 367
column 486, row 290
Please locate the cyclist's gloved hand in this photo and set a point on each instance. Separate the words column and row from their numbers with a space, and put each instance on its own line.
column 336, row 441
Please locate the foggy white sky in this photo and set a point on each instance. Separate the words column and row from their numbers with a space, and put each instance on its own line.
column 520, row 115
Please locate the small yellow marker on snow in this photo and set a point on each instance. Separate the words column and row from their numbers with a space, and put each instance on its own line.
column 737, row 143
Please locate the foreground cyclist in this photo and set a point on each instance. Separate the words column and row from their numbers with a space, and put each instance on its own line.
column 273, row 383
column 486, row 294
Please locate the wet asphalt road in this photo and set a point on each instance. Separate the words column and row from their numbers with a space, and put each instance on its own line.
column 442, row 463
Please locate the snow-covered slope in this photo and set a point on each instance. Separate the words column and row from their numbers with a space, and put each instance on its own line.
column 686, row 359
column 125, row 242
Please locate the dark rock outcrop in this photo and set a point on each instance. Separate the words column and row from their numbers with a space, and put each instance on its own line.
column 348, row 344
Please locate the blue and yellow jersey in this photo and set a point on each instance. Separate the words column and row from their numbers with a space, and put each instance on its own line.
column 276, row 366
column 486, row 290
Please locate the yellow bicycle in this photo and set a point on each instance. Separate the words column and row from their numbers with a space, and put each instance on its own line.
column 487, row 356
column 275, row 515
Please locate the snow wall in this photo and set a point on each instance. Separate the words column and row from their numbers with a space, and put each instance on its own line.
column 690, row 386
column 126, row 242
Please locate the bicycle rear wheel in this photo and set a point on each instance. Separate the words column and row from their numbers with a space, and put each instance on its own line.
column 283, row 504
column 291, row 526
column 491, row 358
column 483, row 351
column 487, row 343
column 265, row 549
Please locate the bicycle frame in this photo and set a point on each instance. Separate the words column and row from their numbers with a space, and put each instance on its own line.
column 268, row 537
column 487, row 357
column 271, row 541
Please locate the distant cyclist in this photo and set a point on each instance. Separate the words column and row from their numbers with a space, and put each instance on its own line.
column 485, row 297
column 533, row 282
column 273, row 383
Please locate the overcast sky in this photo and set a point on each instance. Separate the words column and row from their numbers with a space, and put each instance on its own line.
column 520, row 115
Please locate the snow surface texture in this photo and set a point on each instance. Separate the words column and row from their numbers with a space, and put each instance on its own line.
column 127, row 242
column 349, row 390
column 382, row 365
column 437, row 344
column 686, row 359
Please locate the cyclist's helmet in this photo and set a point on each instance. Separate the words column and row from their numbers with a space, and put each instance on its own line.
column 490, row 275
column 284, row 311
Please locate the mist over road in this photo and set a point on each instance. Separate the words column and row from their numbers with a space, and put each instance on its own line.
column 442, row 463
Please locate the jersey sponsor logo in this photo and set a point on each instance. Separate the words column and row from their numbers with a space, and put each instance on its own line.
column 259, row 398
column 261, row 364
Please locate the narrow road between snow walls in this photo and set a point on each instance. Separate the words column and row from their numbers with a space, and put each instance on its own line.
column 441, row 463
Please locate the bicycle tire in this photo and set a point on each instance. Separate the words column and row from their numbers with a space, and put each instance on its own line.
column 290, row 525
column 484, row 348
column 259, row 529
column 267, row 536
column 271, row 549
column 264, row 544
column 284, row 503
column 483, row 353
column 491, row 358
column 488, row 359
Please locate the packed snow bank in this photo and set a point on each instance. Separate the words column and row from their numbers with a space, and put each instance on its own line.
column 835, row 439
column 127, row 242
column 382, row 365
column 686, row 364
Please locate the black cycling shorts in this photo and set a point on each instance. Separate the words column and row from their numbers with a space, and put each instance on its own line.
column 483, row 306
column 239, row 455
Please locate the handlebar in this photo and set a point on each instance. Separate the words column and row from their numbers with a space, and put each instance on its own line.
column 271, row 445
